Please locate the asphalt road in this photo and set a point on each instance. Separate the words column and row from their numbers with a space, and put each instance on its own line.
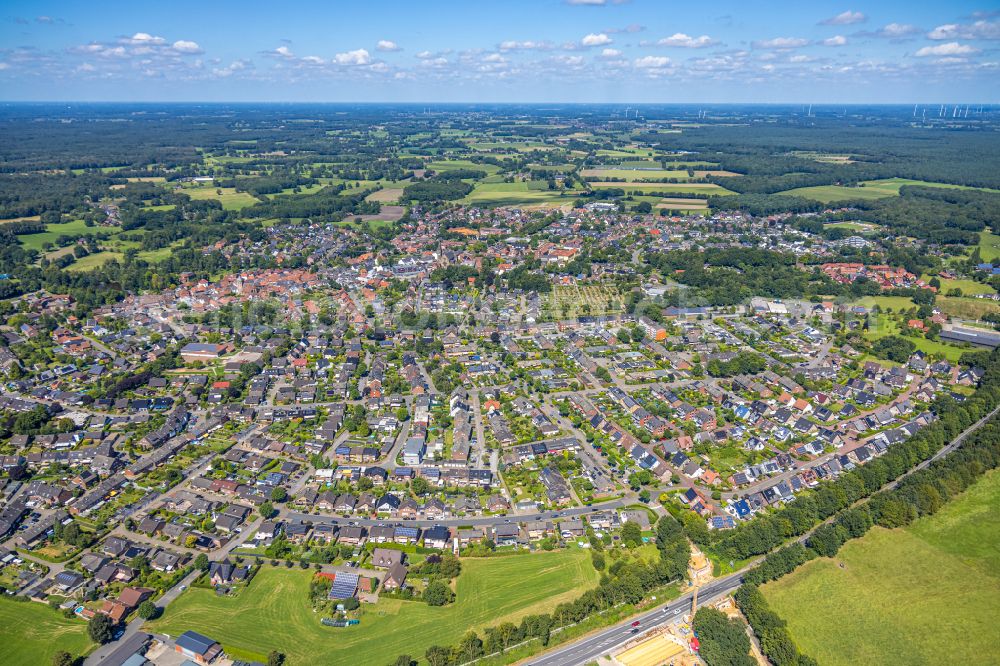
column 590, row 648
column 470, row 520
column 607, row 640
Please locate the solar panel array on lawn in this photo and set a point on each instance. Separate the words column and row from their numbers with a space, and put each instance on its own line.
column 344, row 585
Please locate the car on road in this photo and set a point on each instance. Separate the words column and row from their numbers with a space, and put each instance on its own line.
column 636, row 623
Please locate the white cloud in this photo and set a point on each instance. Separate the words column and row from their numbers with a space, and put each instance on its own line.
column 387, row 45
column 355, row 57
column 898, row 30
column 144, row 38
column 781, row 43
column 231, row 68
column 514, row 45
column 595, row 39
column 610, row 53
column 186, row 46
column 281, row 52
column 836, row 40
column 977, row 30
column 4, row 65
column 682, row 40
column 845, row 18
column 313, row 60
column 652, row 62
column 948, row 49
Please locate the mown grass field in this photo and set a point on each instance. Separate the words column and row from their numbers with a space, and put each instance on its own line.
column 927, row 594
column 32, row 633
column 989, row 246
column 274, row 612
column 882, row 326
column 873, row 189
column 54, row 231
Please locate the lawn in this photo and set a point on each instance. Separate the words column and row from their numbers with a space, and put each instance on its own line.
column 872, row 189
column 927, row 594
column 274, row 612
column 33, row 632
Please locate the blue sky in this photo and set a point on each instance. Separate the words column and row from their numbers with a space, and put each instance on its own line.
column 502, row 51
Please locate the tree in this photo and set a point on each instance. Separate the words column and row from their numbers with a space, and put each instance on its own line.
column 419, row 485
column 404, row 660
column 438, row 656
column 279, row 494
column 438, row 593
column 147, row 610
column 275, row 658
column 101, row 628
column 631, row 534
column 201, row 562
column 350, row 603
column 63, row 658
column 724, row 642
column 266, row 509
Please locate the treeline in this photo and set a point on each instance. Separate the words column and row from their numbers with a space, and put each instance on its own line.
column 329, row 204
column 436, row 190
column 920, row 494
column 729, row 276
column 269, row 184
column 625, row 582
column 944, row 216
column 879, row 147
column 768, row 532
column 745, row 363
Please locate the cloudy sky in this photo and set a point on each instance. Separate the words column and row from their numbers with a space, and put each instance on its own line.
column 502, row 51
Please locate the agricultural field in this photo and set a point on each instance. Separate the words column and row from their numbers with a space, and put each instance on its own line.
column 926, row 594
column 680, row 203
column 388, row 195
column 966, row 308
column 638, row 174
column 274, row 611
column 968, row 287
column 517, row 194
column 451, row 165
column 229, row 197
column 94, row 260
column 870, row 189
column 707, row 189
column 33, row 633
